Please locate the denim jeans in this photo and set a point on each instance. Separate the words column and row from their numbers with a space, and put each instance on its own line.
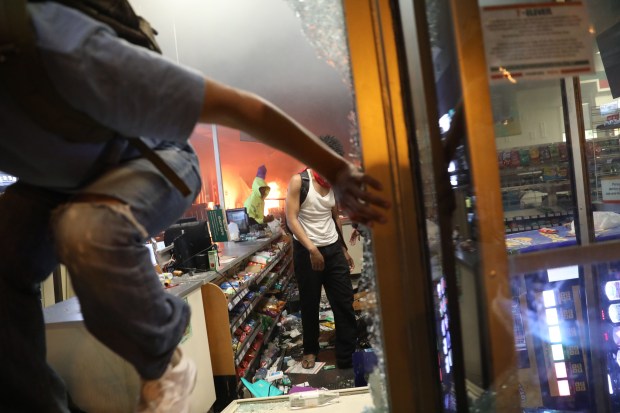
column 122, row 301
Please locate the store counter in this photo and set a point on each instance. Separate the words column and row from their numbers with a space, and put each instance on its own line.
column 231, row 253
column 528, row 241
column 97, row 379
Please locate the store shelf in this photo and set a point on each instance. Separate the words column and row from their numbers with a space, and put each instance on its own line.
column 536, row 190
column 531, row 169
column 533, row 223
column 239, row 319
column 242, row 291
column 608, row 126
column 536, row 194
column 246, row 346
column 604, row 137
column 603, row 174
column 217, row 306
column 603, row 151
column 266, row 339
column 285, row 264
column 542, row 185
column 285, row 283
column 607, row 157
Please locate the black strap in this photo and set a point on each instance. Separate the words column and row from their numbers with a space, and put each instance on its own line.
column 163, row 167
column 303, row 194
column 120, row 16
column 305, row 186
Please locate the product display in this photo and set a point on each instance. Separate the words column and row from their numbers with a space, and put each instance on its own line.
column 603, row 154
column 536, row 180
column 244, row 289
column 536, row 189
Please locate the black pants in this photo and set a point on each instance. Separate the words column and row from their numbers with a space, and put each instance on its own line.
column 335, row 279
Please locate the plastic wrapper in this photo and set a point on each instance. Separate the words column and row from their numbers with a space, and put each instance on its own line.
column 602, row 220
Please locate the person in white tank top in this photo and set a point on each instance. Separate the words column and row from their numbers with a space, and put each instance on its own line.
column 315, row 215
column 321, row 261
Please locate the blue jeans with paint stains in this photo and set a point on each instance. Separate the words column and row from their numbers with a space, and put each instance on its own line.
column 102, row 245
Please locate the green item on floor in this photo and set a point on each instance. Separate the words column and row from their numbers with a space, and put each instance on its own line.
column 329, row 367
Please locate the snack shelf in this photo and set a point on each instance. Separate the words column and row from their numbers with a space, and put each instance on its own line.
column 248, row 342
column 221, row 325
column 266, row 339
column 238, row 320
column 243, row 289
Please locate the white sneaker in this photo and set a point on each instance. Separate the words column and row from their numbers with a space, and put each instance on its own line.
column 170, row 393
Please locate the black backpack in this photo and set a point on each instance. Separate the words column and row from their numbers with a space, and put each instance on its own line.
column 305, row 185
column 22, row 73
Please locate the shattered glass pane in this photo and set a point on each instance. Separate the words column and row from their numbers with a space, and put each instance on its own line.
column 322, row 22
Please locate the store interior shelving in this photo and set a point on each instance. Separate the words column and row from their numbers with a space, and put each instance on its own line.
column 535, row 186
column 535, row 179
column 238, row 331
column 603, row 150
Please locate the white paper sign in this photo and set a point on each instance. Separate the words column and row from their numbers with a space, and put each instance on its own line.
column 537, row 41
column 610, row 188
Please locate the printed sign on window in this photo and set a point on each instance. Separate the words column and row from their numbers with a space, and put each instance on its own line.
column 537, row 41
column 610, row 188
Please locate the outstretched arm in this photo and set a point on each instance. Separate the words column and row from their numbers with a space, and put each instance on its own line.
column 245, row 111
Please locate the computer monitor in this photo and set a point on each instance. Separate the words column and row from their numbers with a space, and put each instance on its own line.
column 190, row 239
column 240, row 217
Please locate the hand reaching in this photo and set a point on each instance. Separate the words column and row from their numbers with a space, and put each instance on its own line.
column 350, row 188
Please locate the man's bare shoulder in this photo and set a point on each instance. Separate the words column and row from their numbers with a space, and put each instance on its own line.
column 295, row 182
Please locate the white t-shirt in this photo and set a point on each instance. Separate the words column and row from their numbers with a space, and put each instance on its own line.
column 315, row 216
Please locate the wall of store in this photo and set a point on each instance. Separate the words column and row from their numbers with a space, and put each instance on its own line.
column 538, row 109
column 539, row 117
